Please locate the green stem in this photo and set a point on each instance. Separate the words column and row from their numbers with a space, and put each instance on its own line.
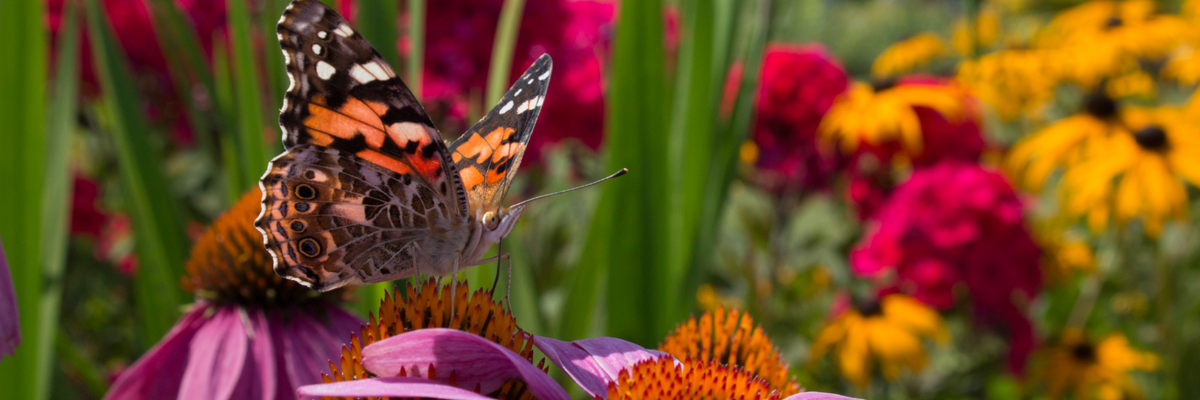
column 416, row 35
column 502, row 50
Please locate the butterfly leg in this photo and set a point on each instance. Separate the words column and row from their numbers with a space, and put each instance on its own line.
column 454, row 285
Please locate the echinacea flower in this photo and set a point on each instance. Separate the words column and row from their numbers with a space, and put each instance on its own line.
column 886, row 115
column 798, row 85
column 1093, row 370
column 1140, row 173
column 414, row 350
column 888, row 331
column 952, row 225
column 908, row 54
column 250, row 334
column 10, row 321
column 731, row 338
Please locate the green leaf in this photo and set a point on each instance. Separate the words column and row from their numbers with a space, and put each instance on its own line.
column 377, row 23
column 158, row 229
column 228, row 139
column 23, row 83
column 56, row 194
column 642, row 293
column 502, row 50
column 186, row 64
column 248, row 110
column 416, row 35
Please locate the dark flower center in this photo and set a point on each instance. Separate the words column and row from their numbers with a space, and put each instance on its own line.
column 1113, row 22
column 1151, row 137
column 1084, row 352
column 1099, row 105
column 868, row 307
column 881, row 85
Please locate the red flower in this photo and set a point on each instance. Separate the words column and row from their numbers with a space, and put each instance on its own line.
column 957, row 224
column 86, row 219
column 798, row 85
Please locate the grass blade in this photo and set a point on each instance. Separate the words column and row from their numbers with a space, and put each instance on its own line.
column 248, row 110
column 692, row 135
column 273, row 61
column 641, row 295
column 502, row 50
column 186, row 65
column 161, row 243
column 56, row 194
column 228, row 139
column 416, row 35
column 22, row 81
column 377, row 23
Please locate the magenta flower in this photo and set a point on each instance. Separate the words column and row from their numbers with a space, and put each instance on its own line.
column 799, row 83
column 10, row 318
column 952, row 225
column 251, row 335
column 408, row 363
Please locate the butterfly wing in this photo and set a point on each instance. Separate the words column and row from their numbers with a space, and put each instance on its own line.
column 488, row 154
column 365, row 175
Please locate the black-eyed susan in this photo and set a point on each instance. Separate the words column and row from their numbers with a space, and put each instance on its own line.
column 885, row 114
column 889, row 331
column 909, row 54
column 1092, row 370
column 1064, row 255
column 1183, row 66
column 1017, row 82
column 1036, row 156
column 731, row 338
column 1138, row 174
column 968, row 36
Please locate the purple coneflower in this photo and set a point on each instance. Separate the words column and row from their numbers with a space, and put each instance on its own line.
column 250, row 334
column 10, row 320
column 410, row 352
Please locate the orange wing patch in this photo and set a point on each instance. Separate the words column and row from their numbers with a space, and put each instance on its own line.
column 362, row 118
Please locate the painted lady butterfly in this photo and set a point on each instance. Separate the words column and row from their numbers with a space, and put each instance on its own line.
column 367, row 190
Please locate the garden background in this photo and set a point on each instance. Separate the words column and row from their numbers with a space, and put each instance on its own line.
column 913, row 199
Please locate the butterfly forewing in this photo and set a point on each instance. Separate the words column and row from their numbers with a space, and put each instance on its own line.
column 488, row 154
column 365, row 178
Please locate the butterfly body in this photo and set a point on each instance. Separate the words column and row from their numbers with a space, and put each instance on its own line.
column 367, row 190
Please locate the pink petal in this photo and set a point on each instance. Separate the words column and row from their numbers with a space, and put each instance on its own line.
column 594, row 363
column 258, row 380
column 474, row 360
column 10, row 321
column 217, row 357
column 308, row 347
column 391, row 387
column 818, row 396
column 158, row 373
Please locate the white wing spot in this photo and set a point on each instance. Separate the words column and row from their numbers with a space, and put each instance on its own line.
column 324, row 70
column 518, row 93
column 506, row 107
column 279, row 36
column 540, row 100
column 361, row 75
column 375, row 69
column 530, row 80
column 317, row 49
column 283, row 17
column 543, row 77
column 323, row 35
column 523, row 107
column 344, row 30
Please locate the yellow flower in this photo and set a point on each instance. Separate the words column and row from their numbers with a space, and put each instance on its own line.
column 909, row 54
column 1063, row 256
column 1136, row 83
column 1093, row 370
column 882, row 115
column 1013, row 82
column 1184, row 65
column 890, row 331
column 983, row 33
column 1061, row 144
column 1103, row 39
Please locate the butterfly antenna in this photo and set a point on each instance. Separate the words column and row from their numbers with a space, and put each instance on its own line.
column 508, row 289
column 614, row 175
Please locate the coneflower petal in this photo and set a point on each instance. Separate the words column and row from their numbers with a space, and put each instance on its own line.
column 10, row 323
column 216, row 359
column 385, row 387
column 594, row 363
column 475, row 361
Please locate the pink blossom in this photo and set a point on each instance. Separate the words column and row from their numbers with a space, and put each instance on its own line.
column 957, row 224
column 10, row 318
column 234, row 352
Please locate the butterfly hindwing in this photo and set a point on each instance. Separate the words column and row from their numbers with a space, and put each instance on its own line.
column 488, row 154
column 332, row 219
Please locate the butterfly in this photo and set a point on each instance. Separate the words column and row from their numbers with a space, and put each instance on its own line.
column 366, row 190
